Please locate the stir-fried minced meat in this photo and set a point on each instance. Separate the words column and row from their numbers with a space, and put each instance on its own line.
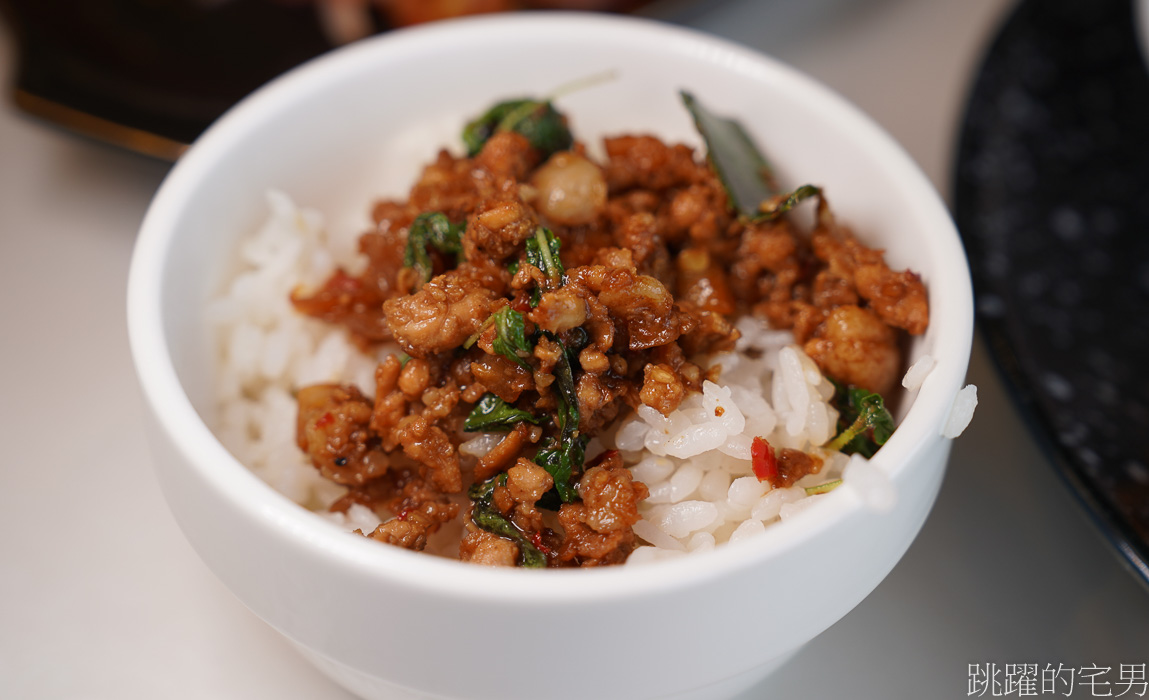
column 648, row 163
column 793, row 465
column 413, row 508
column 508, row 155
column 662, row 388
column 440, row 316
column 506, row 451
column 347, row 300
column 898, row 298
column 537, row 297
column 504, row 378
column 498, row 227
column 527, row 482
column 599, row 528
column 482, row 547
column 854, row 346
column 415, row 523
column 429, row 445
column 333, row 430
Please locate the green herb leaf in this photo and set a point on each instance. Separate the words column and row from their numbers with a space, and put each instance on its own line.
column 492, row 414
column 431, row 229
column 485, row 516
column 543, row 126
column 779, row 204
column 483, row 491
column 543, row 252
column 739, row 164
column 868, row 424
column 563, row 456
column 511, row 336
column 823, row 488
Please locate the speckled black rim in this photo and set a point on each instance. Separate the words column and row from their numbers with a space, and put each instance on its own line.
column 1052, row 201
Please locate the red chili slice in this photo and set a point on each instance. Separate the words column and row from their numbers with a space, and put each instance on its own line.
column 763, row 460
column 537, row 541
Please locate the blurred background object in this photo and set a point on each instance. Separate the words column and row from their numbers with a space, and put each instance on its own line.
column 1049, row 195
column 151, row 75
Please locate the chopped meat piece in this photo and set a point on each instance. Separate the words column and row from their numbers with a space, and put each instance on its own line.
column 505, row 379
column 699, row 210
column 347, row 300
column 332, row 429
column 662, row 388
column 440, row 402
column 415, row 378
column 598, row 401
column 599, row 528
column 409, row 533
column 440, row 316
column 503, row 453
column 481, row 547
column 508, row 154
column 711, row 332
column 560, row 310
column 450, row 185
column 642, row 305
column 430, row 446
column 497, row 229
column 854, row 346
column 647, row 162
column 898, row 298
column 390, row 404
column 526, row 484
column 793, row 465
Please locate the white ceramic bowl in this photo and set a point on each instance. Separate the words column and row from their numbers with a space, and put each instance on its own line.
column 388, row 623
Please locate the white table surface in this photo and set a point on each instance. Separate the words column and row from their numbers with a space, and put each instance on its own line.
column 101, row 597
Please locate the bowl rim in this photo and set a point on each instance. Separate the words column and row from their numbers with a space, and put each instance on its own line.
column 177, row 417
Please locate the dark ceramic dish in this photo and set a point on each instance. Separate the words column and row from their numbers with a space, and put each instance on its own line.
column 1052, row 200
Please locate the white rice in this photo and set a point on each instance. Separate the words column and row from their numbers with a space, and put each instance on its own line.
column 267, row 350
column 696, row 461
column 917, row 373
column 961, row 413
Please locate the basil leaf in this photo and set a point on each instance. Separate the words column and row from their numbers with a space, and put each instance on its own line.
column 563, row 456
column 483, row 491
column 873, row 413
column 431, row 229
column 478, row 130
column 779, row 204
column 542, row 125
column 511, row 336
column 486, row 517
column 492, row 414
column 737, row 161
column 543, row 252
column 868, row 423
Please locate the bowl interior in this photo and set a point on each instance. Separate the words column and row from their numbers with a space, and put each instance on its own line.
column 358, row 124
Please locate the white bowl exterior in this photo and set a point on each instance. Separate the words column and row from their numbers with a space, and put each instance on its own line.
column 388, row 640
column 333, row 135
